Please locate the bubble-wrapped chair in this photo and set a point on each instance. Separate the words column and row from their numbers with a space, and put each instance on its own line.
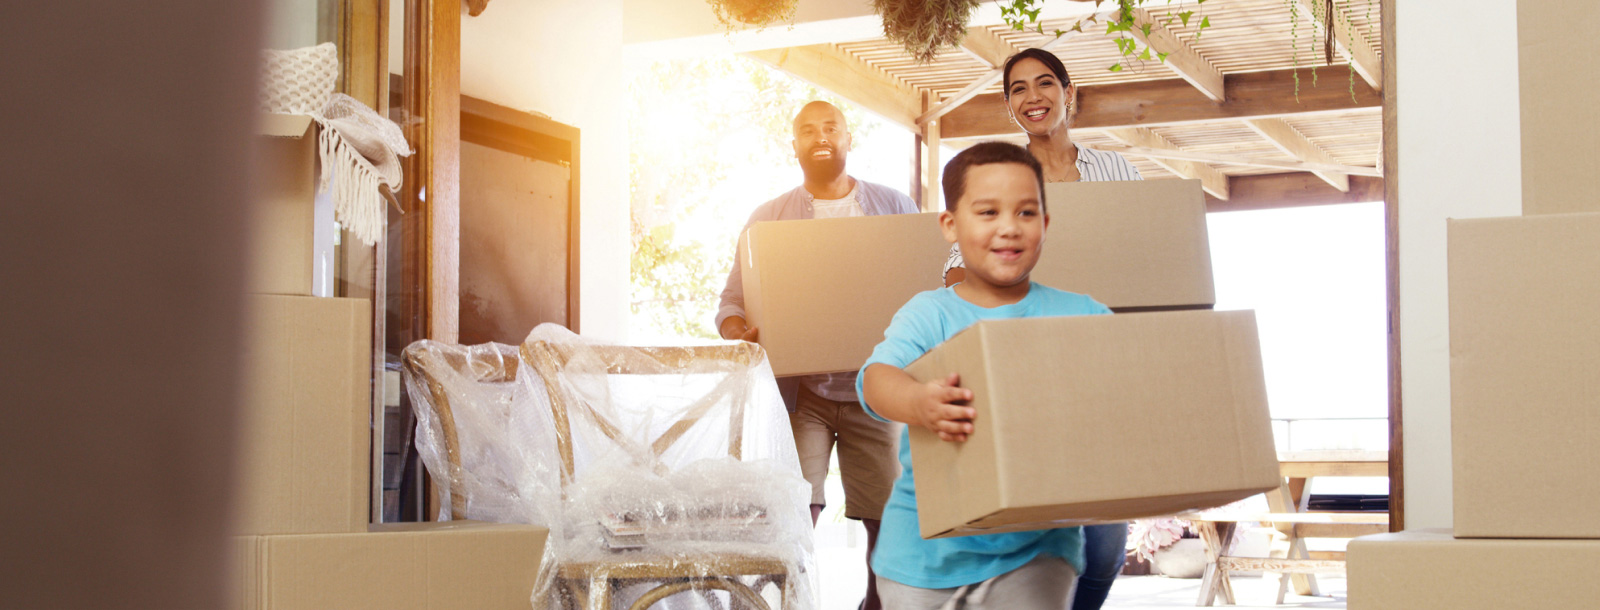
column 665, row 474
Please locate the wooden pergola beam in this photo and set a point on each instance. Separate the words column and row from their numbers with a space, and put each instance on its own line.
column 1181, row 58
column 1211, row 180
column 1361, row 54
column 986, row 47
column 983, row 82
column 1173, row 153
column 825, row 66
column 1250, row 95
column 1289, row 140
column 1291, row 190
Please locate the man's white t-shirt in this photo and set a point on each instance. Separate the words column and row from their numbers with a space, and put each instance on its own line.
column 840, row 387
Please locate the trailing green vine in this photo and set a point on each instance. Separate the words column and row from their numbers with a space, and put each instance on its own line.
column 1023, row 15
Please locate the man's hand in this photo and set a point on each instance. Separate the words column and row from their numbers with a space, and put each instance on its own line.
column 942, row 408
column 734, row 329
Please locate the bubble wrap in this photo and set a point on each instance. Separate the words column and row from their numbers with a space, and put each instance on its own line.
column 668, row 476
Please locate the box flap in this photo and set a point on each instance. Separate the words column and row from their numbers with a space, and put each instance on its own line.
column 284, row 125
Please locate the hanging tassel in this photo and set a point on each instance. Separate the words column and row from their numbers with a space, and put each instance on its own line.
column 357, row 204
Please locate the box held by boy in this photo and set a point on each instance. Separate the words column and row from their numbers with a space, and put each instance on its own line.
column 305, row 430
column 1061, row 402
column 423, row 566
column 1428, row 568
column 1525, row 376
column 823, row 291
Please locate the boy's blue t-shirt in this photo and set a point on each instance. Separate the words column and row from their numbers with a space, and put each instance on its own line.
column 902, row 555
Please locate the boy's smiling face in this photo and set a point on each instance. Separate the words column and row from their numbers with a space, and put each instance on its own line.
column 999, row 222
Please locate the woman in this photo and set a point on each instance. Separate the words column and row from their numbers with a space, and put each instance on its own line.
column 1040, row 99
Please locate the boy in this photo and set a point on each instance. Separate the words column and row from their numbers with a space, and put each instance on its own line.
column 995, row 211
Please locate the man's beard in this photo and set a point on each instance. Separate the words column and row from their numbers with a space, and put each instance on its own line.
column 822, row 170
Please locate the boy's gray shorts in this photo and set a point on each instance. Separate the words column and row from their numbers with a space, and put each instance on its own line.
column 1046, row 583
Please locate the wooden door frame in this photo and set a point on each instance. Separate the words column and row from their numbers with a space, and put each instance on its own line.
column 432, row 95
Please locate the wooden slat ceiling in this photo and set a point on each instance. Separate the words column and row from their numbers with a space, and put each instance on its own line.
column 1245, row 36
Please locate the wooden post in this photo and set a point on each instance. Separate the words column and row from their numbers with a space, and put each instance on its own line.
column 916, row 159
column 1391, row 208
column 931, row 186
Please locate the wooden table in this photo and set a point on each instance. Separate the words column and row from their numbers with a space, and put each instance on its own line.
column 1290, row 515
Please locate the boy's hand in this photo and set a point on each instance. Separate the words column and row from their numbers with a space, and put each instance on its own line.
column 942, row 409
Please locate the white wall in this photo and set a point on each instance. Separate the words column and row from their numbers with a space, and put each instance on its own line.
column 291, row 24
column 1459, row 158
column 565, row 59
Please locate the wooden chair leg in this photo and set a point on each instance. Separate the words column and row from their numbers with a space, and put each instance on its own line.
column 599, row 593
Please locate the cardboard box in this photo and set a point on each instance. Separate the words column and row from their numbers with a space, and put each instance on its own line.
column 1134, row 246
column 282, row 242
column 1060, row 401
column 823, row 291
column 1560, row 130
column 1423, row 569
column 437, row 566
column 305, row 438
column 1525, row 376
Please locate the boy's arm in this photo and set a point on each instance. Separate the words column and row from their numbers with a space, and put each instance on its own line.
column 936, row 405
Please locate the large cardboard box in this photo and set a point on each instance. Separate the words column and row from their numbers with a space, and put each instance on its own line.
column 1525, row 376
column 1429, row 569
column 282, row 249
column 1061, row 400
column 1131, row 245
column 305, row 440
column 1560, row 129
column 423, row 566
column 823, row 291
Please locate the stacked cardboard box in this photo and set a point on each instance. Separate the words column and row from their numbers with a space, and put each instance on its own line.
column 1052, row 393
column 432, row 566
column 822, row 291
column 1524, row 357
column 1525, row 416
column 305, row 439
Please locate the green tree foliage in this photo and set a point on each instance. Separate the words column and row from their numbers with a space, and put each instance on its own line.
column 699, row 130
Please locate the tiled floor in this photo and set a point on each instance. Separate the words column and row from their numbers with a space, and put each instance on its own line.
column 841, row 566
column 1159, row 592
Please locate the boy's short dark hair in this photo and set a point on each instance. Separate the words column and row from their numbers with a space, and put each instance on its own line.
column 985, row 153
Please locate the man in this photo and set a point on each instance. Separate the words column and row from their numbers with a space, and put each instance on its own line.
column 824, row 408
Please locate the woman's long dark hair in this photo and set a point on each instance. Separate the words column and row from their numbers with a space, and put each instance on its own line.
column 1047, row 58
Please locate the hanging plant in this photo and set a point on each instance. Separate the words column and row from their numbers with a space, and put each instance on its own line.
column 924, row 27
column 1024, row 15
column 735, row 14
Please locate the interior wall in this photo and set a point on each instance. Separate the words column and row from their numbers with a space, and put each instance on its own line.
column 563, row 59
column 1459, row 157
